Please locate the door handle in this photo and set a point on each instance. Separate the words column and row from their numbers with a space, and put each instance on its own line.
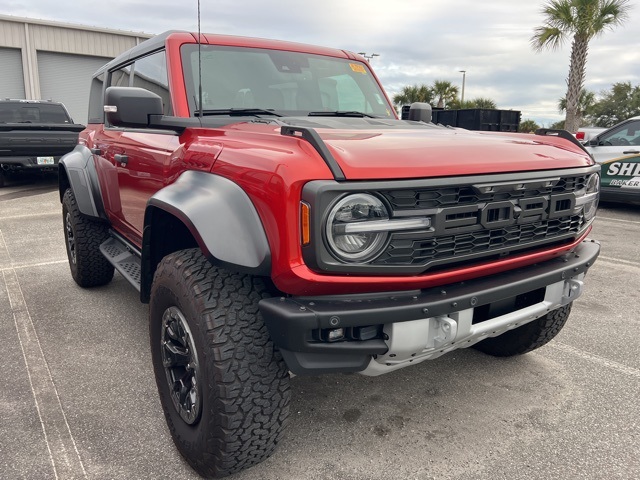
column 631, row 152
column 122, row 159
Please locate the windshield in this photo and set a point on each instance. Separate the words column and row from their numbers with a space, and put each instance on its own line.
column 287, row 83
column 24, row 112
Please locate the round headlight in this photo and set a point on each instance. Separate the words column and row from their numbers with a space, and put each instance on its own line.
column 355, row 244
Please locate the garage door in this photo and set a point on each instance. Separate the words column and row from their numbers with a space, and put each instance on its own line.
column 11, row 78
column 66, row 78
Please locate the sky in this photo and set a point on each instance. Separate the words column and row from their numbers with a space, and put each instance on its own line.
column 417, row 41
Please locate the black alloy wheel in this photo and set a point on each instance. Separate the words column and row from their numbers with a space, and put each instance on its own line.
column 71, row 238
column 180, row 360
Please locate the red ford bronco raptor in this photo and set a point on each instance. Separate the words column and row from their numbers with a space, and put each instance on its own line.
column 276, row 215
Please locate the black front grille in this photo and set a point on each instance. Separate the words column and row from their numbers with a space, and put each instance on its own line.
column 430, row 248
column 427, row 198
column 424, row 248
column 472, row 219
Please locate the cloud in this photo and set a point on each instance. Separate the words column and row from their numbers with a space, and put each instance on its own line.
column 417, row 41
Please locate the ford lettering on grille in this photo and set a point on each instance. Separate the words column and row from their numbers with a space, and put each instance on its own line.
column 503, row 213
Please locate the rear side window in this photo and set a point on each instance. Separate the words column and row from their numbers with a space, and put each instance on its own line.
column 19, row 112
column 96, row 110
column 150, row 73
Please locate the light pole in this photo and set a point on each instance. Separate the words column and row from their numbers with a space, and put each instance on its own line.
column 368, row 57
column 464, row 76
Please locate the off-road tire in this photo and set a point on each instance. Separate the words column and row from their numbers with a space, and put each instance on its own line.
column 238, row 378
column 83, row 236
column 528, row 337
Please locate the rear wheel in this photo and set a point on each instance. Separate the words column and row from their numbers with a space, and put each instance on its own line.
column 528, row 337
column 83, row 236
column 223, row 386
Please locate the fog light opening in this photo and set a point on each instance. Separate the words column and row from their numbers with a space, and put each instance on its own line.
column 334, row 334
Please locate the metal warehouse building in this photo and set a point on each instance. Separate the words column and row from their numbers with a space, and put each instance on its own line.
column 40, row 59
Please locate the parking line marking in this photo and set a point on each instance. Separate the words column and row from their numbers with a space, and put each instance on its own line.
column 30, row 215
column 55, row 427
column 611, row 219
column 605, row 362
column 29, row 265
column 618, row 261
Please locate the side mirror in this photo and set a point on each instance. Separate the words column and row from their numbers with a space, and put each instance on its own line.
column 420, row 112
column 594, row 142
column 131, row 106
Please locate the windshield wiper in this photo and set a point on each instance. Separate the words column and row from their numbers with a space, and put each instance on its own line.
column 341, row 113
column 238, row 112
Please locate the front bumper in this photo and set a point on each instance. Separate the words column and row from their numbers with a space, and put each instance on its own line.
column 422, row 324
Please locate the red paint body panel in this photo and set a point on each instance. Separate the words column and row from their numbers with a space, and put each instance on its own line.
column 303, row 281
column 421, row 153
column 436, row 153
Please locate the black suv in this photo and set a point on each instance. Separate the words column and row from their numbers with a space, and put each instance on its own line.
column 34, row 134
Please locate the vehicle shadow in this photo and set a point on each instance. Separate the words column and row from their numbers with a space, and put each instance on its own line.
column 620, row 207
column 28, row 184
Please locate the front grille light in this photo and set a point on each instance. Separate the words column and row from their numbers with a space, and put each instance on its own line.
column 587, row 198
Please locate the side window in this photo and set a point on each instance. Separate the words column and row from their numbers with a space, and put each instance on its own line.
column 120, row 77
column 96, row 112
column 150, row 72
column 627, row 134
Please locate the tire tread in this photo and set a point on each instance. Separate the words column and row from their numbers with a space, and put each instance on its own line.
column 527, row 337
column 248, row 378
column 92, row 269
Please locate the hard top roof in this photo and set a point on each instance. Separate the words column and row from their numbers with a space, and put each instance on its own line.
column 159, row 41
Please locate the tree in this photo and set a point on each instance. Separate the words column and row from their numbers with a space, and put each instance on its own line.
column 582, row 20
column 528, row 126
column 620, row 103
column 478, row 102
column 586, row 101
column 445, row 92
column 413, row 93
column 557, row 125
column 481, row 102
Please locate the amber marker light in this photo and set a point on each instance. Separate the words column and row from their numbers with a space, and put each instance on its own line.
column 304, row 223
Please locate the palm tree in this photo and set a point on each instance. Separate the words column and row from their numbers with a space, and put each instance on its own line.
column 582, row 20
column 586, row 101
column 413, row 93
column 445, row 92
column 528, row 126
column 481, row 102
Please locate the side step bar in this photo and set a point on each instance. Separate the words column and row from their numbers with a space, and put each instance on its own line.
column 124, row 258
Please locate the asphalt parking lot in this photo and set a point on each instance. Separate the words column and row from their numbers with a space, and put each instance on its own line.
column 78, row 398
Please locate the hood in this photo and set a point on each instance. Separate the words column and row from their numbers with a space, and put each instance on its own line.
column 368, row 149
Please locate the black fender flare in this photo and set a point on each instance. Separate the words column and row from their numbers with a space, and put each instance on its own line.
column 77, row 170
column 220, row 216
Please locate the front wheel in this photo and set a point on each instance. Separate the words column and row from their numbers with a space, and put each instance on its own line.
column 223, row 385
column 528, row 337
